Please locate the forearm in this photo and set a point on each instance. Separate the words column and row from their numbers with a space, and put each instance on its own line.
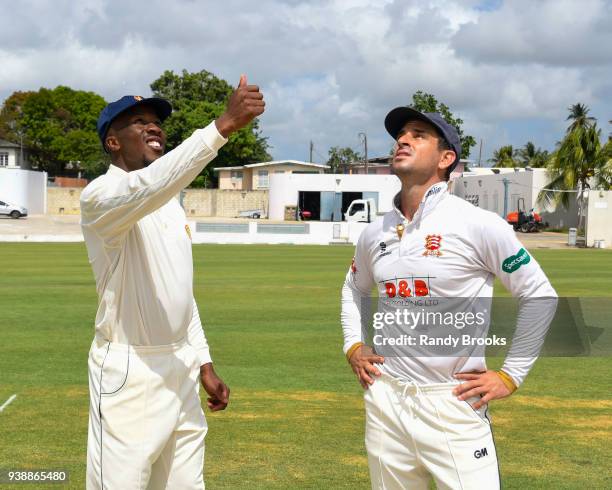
column 533, row 320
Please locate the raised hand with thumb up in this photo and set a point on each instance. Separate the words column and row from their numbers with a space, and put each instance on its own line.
column 245, row 104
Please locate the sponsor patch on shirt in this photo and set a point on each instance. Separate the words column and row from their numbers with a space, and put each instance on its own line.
column 383, row 250
column 432, row 245
column 353, row 266
column 515, row 261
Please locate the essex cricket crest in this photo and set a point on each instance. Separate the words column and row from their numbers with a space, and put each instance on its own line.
column 432, row 245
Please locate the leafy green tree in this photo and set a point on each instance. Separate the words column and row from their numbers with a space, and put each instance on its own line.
column 505, row 157
column 197, row 99
column 339, row 157
column 530, row 156
column 11, row 128
column 424, row 102
column 579, row 161
column 58, row 127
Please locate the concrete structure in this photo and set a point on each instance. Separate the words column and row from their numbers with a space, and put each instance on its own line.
column 382, row 166
column 63, row 200
column 256, row 176
column 25, row 188
column 70, row 182
column 375, row 166
column 11, row 155
column 328, row 196
column 197, row 202
column 599, row 219
column 223, row 203
column 252, row 232
column 485, row 188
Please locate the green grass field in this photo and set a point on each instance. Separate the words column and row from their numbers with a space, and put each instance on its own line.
column 296, row 414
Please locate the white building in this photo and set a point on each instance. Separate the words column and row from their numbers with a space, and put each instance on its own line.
column 11, row 155
column 256, row 176
column 328, row 196
column 500, row 190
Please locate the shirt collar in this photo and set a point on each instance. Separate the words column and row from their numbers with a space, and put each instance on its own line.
column 430, row 199
column 114, row 170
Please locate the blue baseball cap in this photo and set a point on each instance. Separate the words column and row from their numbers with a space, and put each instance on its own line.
column 161, row 106
column 398, row 117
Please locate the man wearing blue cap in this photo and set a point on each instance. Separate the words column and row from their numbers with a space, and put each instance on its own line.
column 421, row 421
column 146, row 424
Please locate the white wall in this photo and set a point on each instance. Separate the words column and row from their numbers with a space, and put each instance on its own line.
column 599, row 218
column 526, row 184
column 25, row 188
column 284, row 188
column 320, row 233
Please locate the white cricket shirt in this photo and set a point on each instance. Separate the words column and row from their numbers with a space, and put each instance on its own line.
column 139, row 247
column 451, row 249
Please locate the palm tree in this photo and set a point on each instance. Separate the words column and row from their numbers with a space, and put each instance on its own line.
column 504, row 157
column 533, row 157
column 578, row 116
column 578, row 161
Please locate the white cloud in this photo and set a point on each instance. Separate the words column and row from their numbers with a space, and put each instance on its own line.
column 331, row 69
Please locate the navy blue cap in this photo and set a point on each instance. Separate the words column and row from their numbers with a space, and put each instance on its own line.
column 398, row 117
column 161, row 106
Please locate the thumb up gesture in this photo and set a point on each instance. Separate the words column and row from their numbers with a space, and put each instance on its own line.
column 245, row 104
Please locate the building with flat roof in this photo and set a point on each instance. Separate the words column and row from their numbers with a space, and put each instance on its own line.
column 504, row 190
column 256, row 176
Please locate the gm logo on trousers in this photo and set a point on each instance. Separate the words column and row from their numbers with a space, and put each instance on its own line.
column 480, row 453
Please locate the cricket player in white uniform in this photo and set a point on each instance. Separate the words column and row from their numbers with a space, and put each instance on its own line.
column 146, row 424
column 426, row 415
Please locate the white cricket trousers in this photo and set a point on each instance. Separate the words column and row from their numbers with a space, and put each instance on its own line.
column 414, row 433
column 146, row 424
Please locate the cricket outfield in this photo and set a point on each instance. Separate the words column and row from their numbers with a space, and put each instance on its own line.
column 295, row 418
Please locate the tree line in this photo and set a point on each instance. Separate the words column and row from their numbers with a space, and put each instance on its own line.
column 423, row 102
column 58, row 126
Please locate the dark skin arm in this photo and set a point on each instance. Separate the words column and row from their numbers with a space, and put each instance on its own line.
column 245, row 104
column 218, row 391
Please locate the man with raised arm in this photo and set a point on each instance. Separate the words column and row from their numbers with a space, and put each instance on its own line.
column 146, row 424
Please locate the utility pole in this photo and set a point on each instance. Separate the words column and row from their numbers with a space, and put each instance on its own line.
column 506, row 183
column 311, row 148
column 364, row 138
column 480, row 153
column 21, row 149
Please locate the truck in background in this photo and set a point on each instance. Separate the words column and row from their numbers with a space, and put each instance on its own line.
column 361, row 210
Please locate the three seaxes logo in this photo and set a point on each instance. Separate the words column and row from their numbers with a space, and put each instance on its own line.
column 432, row 245
column 513, row 262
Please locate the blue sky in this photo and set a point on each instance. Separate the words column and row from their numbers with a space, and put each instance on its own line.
column 332, row 69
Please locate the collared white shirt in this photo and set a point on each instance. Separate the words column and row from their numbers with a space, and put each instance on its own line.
column 450, row 249
column 139, row 247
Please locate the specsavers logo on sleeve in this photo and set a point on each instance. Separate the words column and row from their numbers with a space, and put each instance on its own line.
column 514, row 262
